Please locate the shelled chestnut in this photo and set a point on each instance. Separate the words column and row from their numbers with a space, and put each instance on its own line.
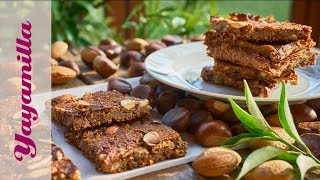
column 144, row 92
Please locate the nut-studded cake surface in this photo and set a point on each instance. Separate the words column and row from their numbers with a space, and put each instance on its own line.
column 125, row 146
column 95, row 109
column 256, row 28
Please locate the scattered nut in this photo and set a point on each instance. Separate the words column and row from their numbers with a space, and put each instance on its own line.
column 149, row 80
column 163, row 87
column 170, row 40
column 192, row 105
column 166, row 101
column 89, row 53
column 229, row 116
column 269, row 109
column 66, row 98
column 238, row 129
column 143, row 103
column 58, row 49
column 273, row 120
column 111, row 130
column 137, row 44
column 154, row 46
column 54, row 62
column 104, row 66
column 274, row 169
column 136, row 69
column 260, row 143
column 312, row 140
column 120, row 85
column 198, row 118
column 108, row 42
column 144, row 92
column 212, row 133
column 216, row 161
column 110, row 50
column 152, row 138
column 178, row 118
column 61, row 74
column 314, row 104
column 128, row 104
column 302, row 113
column 127, row 58
column 217, row 108
column 72, row 65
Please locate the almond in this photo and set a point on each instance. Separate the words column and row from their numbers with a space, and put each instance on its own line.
column 216, row 161
column 111, row 130
column 61, row 74
column 152, row 138
column 58, row 49
column 274, row 169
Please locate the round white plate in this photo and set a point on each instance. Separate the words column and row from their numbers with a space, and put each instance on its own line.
column 180, row 66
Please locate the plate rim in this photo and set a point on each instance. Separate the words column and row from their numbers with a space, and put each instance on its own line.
column 211, row 94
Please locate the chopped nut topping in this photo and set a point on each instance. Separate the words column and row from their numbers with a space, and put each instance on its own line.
column 143, row 103
column 128, row 104
column 111, row 130
column 83, row 103
column 151, row 138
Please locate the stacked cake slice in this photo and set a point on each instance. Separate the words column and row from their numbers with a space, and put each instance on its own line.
column 261, row 50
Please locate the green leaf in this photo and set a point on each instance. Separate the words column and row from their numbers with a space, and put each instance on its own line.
column 254, row 109
column 258, row 157
column 305, row 163
column 247, row 120
column 289, row 157
column 285, row 116
column 241, row 138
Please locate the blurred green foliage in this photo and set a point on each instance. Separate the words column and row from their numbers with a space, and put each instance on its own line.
column 79, row 23
column 156, row 18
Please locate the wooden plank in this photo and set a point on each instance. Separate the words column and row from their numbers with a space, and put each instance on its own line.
column 71, row 84
column 183, row 171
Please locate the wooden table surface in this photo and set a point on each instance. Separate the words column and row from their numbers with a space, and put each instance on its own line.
column 88, row 77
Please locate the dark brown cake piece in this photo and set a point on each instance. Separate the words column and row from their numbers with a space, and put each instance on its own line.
column 62, row 168
column 273, row 51
column 129, row 145
column 255, row 28
column 96, row 109
column 247, row 58
column 258, row 88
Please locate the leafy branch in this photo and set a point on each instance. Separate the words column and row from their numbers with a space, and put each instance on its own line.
column 258, row 128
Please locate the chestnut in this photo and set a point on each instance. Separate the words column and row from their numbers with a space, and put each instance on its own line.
column 303, row 113
column 166, row 101
column 89, row 53
column 273, row 120
column 120, row 85
column 110, row 50
column 238, row 129
column 149, row 80
column 127, row 58
column 198, row 118
column 104, row 66
column 70, row 64
column 269, row 109
column 312, row 140
column 212, row 133
column 314, row 104
column 136, row 69
column 178, row 118
column 192, row 105
column 163, row 87
column 154, row 46
column 230, row 117
column 217, row 108
column 108, row 42
column 145, row 92
column 170, row 40
column 137, row 44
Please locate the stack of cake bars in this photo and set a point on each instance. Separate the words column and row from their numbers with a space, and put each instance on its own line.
column 261, row 50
